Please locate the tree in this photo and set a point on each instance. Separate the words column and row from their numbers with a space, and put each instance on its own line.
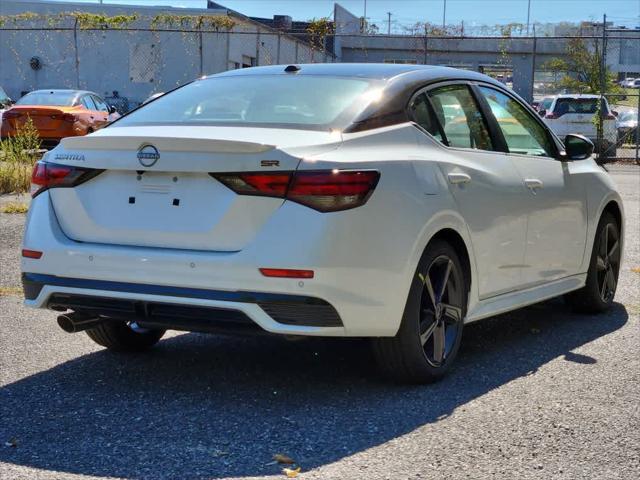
column 582, row 69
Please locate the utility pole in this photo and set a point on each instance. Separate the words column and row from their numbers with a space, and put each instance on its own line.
column 528, row 16
column 444, row 15
column 389, row 23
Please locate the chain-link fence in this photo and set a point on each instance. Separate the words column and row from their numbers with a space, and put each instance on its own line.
column 128, row 63
column 132, row 59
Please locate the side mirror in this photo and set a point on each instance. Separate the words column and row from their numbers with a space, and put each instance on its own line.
column 542, row 113
column 615, row 114
column 577, row 147
column 112, row 109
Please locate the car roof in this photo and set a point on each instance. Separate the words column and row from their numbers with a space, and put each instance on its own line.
column 401, row 82
column 374, row 71
column 63, row 90
column 577, row 95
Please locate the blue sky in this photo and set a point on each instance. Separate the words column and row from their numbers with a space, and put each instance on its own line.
column 406, row 12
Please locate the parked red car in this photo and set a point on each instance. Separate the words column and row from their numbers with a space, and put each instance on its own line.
column 57, row 114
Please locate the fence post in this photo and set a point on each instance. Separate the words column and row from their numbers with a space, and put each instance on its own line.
column 257, row 46
column 637, row 132
column 278, row 53
column 228, row 48
column 200, row 51
column 424, row 48
column 603, row 87
column 75, row 45
column 533, row 62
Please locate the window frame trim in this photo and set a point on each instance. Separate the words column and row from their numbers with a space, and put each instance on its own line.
column 549, row 133
column 468, row 84
column 497, row 138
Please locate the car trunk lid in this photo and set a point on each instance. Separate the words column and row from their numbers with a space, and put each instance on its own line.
column 45, row 119
column 169, row 200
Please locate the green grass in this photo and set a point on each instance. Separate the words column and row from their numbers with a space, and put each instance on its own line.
column 14, row 207
column 18, row 154
column 630, row 101
column 6, row 291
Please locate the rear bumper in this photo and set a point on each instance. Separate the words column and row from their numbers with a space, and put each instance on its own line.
column 359, row 288
column 157, row 303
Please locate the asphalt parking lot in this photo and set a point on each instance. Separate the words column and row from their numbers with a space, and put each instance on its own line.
column 539, row 393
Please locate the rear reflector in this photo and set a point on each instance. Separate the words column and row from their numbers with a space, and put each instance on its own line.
column 49, row 175
column 322, row 190
column 286, row 273
column 31, row 253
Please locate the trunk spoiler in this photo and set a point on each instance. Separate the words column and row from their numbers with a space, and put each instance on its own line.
column 164, row 144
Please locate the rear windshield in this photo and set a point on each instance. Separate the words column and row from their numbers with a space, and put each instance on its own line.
column 577, row 105
column 315, row 102
column 627, row 116
column 59, row 99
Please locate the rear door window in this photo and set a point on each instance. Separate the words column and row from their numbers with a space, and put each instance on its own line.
column 88, row 102
column 460, row 118
column 422, row 114
column 100, row 104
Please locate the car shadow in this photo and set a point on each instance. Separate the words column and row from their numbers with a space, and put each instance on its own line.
column 202, row 406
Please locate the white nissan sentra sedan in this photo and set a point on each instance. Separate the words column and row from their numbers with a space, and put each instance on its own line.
column 396, row 202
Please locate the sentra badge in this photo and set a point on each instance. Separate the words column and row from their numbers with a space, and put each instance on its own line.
column 70, row 157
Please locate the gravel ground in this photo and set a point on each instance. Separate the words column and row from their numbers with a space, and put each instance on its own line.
column 539, row 393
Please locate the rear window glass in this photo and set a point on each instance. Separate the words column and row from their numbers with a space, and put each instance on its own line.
column 460, row 118
column 577, row 105
column 61, row 99
column 627, row 116
column 268, row 100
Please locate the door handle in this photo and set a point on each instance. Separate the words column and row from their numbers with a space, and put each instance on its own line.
column 458, row 178
column 533, row 184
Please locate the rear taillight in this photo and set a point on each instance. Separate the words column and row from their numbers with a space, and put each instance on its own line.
column 322, row 190
column 551, row 116
column 330, row 191
column 12, row 115
column 69, row 117
column 51, row 175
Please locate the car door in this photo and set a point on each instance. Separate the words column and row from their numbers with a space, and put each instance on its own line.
column 555, row 196
column 102, row 109
column 90, row 114
column 484, row 183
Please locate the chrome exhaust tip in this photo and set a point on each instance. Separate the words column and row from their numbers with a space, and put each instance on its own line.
column 77, row 322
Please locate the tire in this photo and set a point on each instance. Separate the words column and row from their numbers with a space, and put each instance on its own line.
column 428, row 339
column 120, row 337
column 604, row 267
